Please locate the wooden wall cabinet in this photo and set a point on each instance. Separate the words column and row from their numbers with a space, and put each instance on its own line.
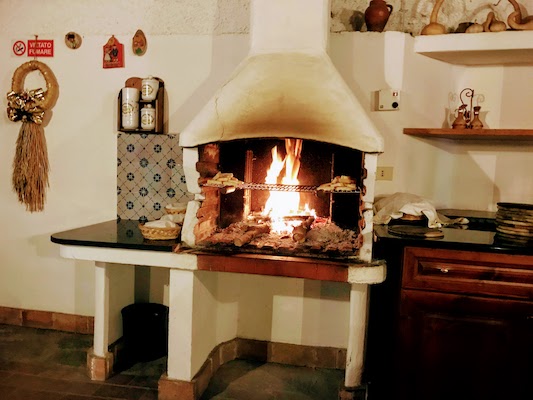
column 461, row 327
column 158, row 104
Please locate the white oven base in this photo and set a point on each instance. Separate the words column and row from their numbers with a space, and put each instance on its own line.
column 188, row 316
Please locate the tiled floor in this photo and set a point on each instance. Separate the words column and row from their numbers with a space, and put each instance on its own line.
column 38, row 364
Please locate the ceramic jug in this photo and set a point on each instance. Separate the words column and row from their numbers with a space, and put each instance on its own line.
column 460, row 120
column 476, row 122
column 376, row 15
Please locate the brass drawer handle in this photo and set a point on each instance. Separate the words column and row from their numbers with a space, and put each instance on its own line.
column 444, row 270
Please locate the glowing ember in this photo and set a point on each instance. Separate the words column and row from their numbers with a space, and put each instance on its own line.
column 285, row 204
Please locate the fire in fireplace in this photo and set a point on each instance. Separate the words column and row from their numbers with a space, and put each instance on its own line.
column 281, row 196
column 286, row 103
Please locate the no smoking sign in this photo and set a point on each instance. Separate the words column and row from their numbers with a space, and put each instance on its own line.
column 19, row 48
column 33, row 48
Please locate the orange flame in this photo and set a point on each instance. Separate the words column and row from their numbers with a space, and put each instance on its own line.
column 282, row 204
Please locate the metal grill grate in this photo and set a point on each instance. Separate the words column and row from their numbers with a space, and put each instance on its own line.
column 280, row 188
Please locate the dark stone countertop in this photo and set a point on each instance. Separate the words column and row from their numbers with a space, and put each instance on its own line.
column 456, row 239
column 119, row 234
column 125, row 234
column 478, row 235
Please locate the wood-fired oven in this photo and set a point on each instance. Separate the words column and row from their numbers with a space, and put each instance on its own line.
column 285, row 138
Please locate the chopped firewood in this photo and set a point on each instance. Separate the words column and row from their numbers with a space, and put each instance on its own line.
column 299, row 233
column 322, row 238
column 251, row 233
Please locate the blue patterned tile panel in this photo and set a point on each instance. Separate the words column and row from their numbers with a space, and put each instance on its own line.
column 149, row 175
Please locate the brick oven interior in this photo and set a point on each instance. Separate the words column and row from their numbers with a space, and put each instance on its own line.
column 248, row 160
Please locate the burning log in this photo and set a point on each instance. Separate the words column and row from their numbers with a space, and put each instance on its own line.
column 299, row 233
column 250, row 234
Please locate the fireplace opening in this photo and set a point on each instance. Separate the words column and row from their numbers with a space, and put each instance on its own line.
column 281, row 196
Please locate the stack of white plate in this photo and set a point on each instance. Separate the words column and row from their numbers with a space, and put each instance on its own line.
column 514, row 222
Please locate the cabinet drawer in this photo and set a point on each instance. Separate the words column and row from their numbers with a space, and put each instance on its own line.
column 468, row 272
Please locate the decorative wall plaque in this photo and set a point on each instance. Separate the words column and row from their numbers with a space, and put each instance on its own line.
column 113, row 53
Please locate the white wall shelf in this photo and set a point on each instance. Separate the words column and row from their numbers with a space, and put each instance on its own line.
column 486, row 48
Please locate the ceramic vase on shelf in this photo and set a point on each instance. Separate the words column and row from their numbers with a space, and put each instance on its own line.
column 460, row 120
column 476, row 122
column 376, row 15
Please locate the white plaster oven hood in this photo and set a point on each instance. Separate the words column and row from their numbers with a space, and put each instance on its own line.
column 287, row 86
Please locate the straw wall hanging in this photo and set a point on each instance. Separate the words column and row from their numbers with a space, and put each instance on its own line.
column 30, row 165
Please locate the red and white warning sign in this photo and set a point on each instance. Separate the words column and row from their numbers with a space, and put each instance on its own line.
column 40, row 48
column 19, row 48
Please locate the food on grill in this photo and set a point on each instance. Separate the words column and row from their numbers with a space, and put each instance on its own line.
column 341, row 183
column 223, row 179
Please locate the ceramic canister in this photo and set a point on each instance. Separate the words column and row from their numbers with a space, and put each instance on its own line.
column 148, row 117
column 130, row 108
column 149, row 88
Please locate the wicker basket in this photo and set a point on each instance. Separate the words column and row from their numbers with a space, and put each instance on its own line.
column 160, row 233
column 175, row 210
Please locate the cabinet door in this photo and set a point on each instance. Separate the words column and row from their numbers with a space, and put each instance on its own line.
column 464, row 347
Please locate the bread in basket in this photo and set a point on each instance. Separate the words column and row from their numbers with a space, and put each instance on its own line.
column 160, row 230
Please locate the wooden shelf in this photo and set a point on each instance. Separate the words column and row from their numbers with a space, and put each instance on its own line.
column 486, row 48
column 158, row 104
column 471, row 134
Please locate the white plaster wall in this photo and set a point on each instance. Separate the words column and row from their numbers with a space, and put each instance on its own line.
column 81, row 135
column 294, row 311
column 454, row 174
column 187, row 50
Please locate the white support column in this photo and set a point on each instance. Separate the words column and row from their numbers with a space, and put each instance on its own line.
column 101, row 311
column 357, row 334
column 114, row 289
column 180, row 325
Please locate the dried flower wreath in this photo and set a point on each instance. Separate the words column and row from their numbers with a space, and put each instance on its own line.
column 30, row 165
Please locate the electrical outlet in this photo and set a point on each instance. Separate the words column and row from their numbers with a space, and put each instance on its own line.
column 384, row 174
